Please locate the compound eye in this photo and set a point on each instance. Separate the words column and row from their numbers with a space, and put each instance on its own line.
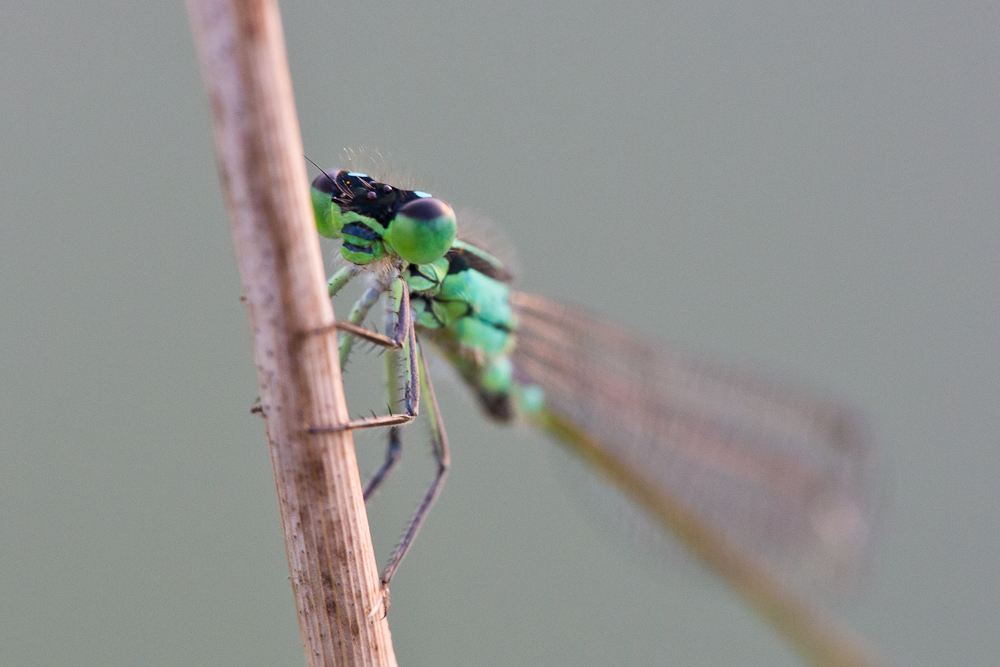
column 326, row 213
column 326, row 182
column 423, row 230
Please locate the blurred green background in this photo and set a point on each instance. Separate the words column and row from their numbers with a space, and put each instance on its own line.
column 808, row 190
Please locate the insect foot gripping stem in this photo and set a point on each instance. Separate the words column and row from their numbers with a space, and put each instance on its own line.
column 404, row 340
column 382, row 604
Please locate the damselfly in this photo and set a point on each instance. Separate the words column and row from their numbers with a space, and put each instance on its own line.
column 754, row 479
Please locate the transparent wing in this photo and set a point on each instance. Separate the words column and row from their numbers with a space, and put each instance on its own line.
column 782, row 474
column 759, row 481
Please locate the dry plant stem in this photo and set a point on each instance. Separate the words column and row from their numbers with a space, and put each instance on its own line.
column 259, row 153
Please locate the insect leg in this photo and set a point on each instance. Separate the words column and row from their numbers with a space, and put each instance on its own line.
column 439, row 442
column 352, row 329
column 343, row 276
column 395, row 447
column 405, row 337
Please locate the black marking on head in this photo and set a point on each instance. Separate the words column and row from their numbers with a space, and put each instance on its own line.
column 356, row 248
column 362, row 194
column 361, row 231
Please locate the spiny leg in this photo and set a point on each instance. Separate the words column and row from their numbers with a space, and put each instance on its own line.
column 392, row 456
column 341, row 277
column 439, row 442
column 395, row 447
column 352, row 329
column 404, row 337
column 409, row 354
column 366, row 335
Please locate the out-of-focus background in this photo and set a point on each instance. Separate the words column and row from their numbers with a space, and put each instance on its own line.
column 810, row 191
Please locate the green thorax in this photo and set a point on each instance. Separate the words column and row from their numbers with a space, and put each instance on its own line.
column 464, row 291
column 462, row 303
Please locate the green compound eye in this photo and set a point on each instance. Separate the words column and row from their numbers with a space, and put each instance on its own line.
column 326, row 213
column 422, row 231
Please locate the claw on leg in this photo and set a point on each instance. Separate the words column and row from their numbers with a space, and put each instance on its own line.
column 381, row 605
